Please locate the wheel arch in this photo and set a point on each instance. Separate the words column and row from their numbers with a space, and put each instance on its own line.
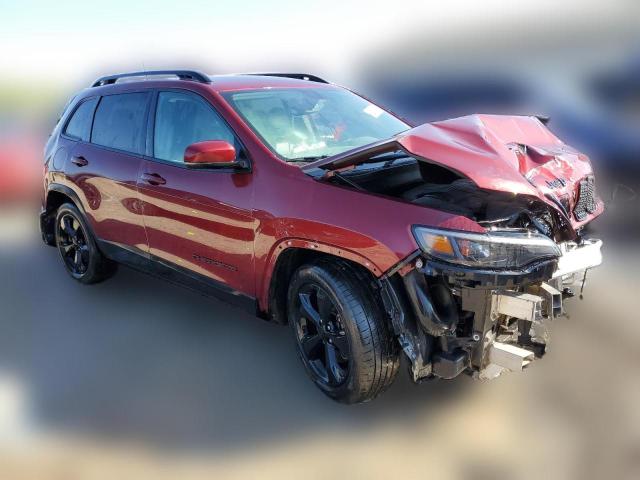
column 288, row 256
column 57, row 195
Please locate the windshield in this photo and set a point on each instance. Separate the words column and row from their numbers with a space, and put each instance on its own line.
column 304, row 124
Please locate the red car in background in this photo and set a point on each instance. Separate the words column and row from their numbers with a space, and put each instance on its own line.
column 453, row 243
column 20, row 169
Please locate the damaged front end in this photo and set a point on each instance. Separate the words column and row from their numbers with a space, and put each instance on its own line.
column 452, row 318
column 481, row 301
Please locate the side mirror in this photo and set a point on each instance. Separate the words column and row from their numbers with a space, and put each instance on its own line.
column 212, row 154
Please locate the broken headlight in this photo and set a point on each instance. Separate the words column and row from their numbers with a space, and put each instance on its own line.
column 494, row 249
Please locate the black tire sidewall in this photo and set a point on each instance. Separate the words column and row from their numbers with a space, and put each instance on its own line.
column 334, row 281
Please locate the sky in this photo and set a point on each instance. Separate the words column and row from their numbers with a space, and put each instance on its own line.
column 75, row 41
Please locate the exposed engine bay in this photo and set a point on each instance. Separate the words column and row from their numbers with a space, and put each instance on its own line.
column 430, row 185
column 474, row 302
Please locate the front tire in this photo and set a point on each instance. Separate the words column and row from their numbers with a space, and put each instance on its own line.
column 341, row 334
column 78, row 249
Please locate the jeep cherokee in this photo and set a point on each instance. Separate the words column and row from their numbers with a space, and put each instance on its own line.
column 454, row 243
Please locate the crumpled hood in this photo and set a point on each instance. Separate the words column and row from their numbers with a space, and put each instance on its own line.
column 515, row 154
column 507, row 153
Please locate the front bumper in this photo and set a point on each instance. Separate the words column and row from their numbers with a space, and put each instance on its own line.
column 452, row 319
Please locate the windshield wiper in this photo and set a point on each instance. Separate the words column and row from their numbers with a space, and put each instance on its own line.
column 388, row 158
column 307, row 159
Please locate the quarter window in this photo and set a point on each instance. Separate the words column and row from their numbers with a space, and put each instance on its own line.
column 120, row 122
column 80, row 124
column 183, row 119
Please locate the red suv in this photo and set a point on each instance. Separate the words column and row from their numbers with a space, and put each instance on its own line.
column 453, row 242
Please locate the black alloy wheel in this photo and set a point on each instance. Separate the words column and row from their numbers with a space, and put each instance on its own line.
column 72, row 243
column 321, row 335
column 78, row 250
column 342, row 334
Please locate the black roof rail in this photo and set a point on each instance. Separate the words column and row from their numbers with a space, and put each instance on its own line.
column 544, row 119
column 298, row 76
column 181, row 74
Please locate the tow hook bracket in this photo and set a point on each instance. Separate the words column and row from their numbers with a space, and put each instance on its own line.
column 505, row 357
column 448, row 365
column 524, row 306
column 509, row 356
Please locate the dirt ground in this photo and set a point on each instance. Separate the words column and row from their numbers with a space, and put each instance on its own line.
column 136, row 378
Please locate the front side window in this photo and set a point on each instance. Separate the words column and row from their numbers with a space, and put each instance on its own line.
column 120, row 122
column 183, row 119
column 308, row 123
column 79, row 125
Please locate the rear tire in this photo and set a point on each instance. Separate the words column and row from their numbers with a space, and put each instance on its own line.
column 78, row 249
column 341, row 334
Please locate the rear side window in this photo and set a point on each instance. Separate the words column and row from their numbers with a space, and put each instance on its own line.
column 183, row 119
column 80, row 124
column 120, row 122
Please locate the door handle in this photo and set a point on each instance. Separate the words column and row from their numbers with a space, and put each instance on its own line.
column 153, row 179
column 80, row 161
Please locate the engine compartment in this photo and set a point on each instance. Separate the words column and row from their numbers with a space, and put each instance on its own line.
column 400, row 176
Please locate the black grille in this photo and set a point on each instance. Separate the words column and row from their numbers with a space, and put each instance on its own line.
column 586, row 203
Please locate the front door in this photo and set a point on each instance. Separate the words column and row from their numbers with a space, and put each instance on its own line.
column 196, row 219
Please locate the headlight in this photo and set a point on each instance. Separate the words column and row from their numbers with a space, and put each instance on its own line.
column 495, row 249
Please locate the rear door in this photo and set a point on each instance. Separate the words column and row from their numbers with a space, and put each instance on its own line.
column 197, row 219
column 105, row 169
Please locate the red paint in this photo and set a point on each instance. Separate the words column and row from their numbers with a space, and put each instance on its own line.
column 203, row 212
column 107, row 187
column 243, row 221
column 212, row 151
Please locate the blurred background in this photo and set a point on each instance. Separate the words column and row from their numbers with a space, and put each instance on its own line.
column 138, row 379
